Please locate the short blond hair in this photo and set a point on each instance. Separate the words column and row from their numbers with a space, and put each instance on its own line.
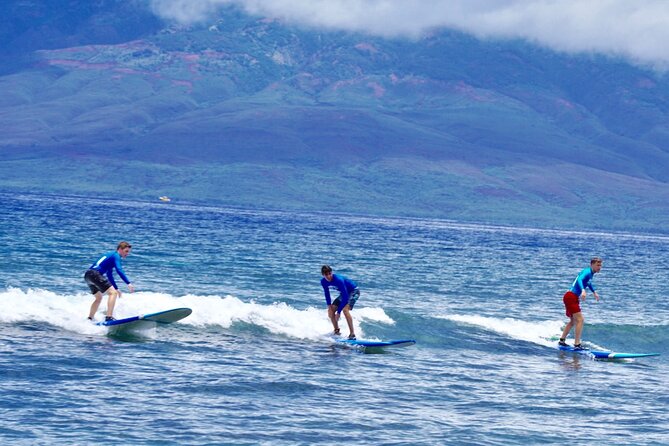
column 123, row 245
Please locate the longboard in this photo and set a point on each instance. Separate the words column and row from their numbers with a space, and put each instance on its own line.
column 145, row 321
column 603, row 354
column 376, row 344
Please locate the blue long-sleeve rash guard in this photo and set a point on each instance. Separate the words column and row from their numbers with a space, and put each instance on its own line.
column 583, row 281
column 341, row 283
column 106, row 265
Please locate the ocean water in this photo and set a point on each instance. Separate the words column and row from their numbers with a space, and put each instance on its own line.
column 254, row 363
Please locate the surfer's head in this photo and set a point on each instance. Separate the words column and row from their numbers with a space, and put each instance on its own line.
column 596, row 264
column 326, row 271
column 123, row 248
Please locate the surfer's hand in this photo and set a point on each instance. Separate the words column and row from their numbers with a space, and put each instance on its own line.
column 131, row 287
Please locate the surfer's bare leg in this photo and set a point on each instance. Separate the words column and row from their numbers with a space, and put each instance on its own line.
column 578, row 323
column 111, row 300
column 334, row 317
column 95, row 305
column 349, row 320
column 567, row 328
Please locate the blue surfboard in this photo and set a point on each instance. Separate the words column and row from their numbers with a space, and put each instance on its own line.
column 145, row 321
column 603, row 354
column 376, row 344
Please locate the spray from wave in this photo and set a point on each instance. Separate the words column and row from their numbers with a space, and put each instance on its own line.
column 70, row 311
column 541, row 333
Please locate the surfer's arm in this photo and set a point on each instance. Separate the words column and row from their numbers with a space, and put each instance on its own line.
column 581, row 285
column 326, row 291
column 121, row 273
column 594, row 293
column 110, row 276
column 592, row 287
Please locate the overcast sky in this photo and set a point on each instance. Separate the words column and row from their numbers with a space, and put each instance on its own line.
column 637, row 30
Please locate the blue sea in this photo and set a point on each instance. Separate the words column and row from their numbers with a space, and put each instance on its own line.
column 254, row 364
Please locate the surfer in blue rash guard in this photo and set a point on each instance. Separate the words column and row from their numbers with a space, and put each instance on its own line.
column 348, row 296
column 99, row 284
column 571, row 301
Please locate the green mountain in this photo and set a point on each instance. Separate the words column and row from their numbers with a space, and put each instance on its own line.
column 104, row 99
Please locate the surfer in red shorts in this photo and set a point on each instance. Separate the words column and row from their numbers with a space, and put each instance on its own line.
column 572, row 305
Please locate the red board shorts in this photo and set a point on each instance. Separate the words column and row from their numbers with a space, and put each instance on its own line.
column 571, row 303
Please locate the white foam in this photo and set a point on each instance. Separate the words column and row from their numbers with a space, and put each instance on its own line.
column 70, row 311
column 542, row 333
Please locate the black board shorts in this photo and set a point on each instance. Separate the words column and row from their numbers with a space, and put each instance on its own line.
column 353, row 298
column 96, row 281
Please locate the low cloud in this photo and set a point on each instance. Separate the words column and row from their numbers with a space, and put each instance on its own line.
column 634, row 29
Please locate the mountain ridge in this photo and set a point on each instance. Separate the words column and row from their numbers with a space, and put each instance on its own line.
column 494, row 131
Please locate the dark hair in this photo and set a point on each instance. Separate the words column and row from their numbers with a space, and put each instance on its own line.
column 123, row 245
column 325, row 269
column 595, row 260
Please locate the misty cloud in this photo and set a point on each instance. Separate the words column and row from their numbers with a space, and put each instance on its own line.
column 634, row 29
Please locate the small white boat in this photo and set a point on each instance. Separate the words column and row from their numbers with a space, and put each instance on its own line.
column 164, row 198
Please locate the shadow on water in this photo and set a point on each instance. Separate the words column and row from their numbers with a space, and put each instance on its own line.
column 571, row 361
column 131, row 337
column 341, row 348
column 574, row 361
column 378, row 351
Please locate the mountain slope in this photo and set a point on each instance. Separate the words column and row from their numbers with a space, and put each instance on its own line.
column 253, row 112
